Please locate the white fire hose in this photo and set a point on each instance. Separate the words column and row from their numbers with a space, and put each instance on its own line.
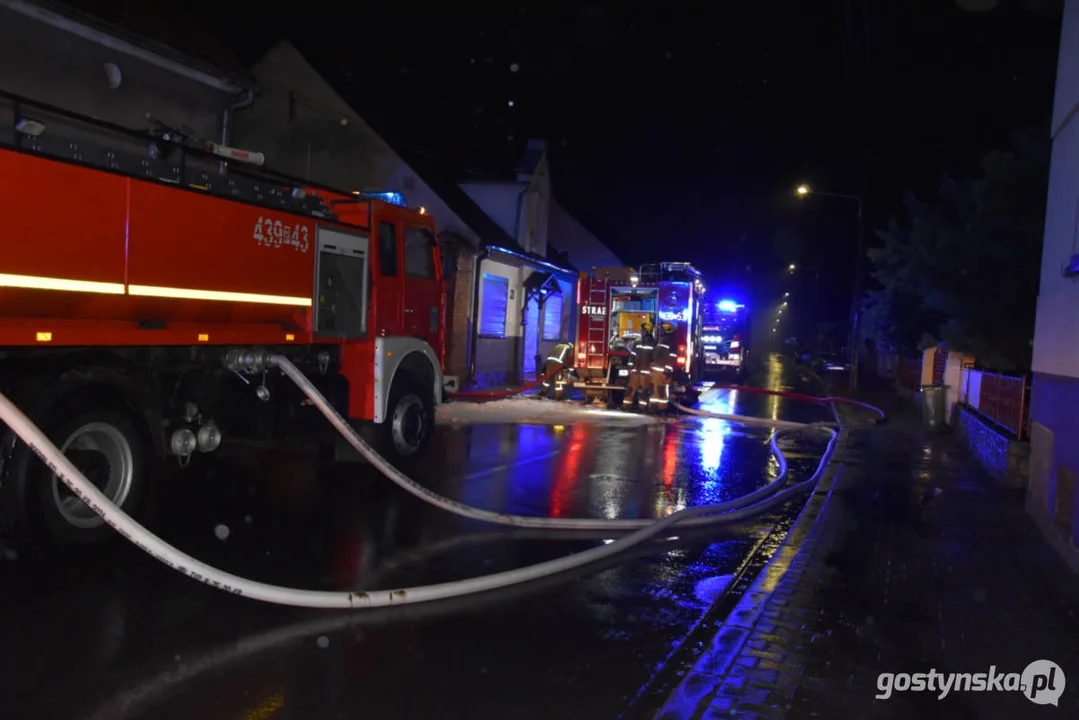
column 737, row 510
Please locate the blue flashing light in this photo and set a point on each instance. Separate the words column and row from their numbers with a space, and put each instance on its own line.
column 393, row 198
column 729, row 306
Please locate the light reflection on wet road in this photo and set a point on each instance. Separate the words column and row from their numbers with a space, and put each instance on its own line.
column 133, row 639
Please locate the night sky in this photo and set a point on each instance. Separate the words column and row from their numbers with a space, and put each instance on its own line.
column 677, row 133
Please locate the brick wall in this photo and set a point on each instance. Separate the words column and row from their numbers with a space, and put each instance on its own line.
column 458, row 320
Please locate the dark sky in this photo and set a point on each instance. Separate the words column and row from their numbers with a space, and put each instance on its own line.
column 678, row 133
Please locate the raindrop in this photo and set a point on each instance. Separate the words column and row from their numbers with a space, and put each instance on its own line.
column 514, row 67
column 510, row 103
column 323, row 642
column 248, row 519
column 764, row 81
column 222, row 532
column 472, row 61
column 176, row 658
column 510, row 138
column 669, row 55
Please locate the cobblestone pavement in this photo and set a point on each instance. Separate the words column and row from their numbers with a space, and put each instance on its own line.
column 914, row 562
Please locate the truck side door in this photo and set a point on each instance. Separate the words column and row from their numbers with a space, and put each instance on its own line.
column 389, row 293
column 423, row 286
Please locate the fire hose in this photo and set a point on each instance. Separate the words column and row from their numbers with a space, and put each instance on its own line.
column 748, row 506
column 798, row 396
column 495, row 394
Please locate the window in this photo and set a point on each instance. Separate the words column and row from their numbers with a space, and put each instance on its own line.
column 496, row 291
column 419, row 253
column 387, row 249
column 552, row 317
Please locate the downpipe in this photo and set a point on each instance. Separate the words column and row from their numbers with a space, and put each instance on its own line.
column 746, row 507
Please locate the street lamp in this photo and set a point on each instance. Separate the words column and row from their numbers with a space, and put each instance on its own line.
column 855, row 316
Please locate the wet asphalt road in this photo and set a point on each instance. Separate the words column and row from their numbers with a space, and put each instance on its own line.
column 112, row 634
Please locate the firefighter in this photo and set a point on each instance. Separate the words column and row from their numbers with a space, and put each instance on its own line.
column 662, row 370
column 616, row 362
column 553, row 385
column 641, row 362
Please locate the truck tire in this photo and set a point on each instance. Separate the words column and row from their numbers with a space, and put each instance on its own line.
column 107, row 448
column 406, row 433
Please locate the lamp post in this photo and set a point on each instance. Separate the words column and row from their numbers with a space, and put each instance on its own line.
column 855, row 316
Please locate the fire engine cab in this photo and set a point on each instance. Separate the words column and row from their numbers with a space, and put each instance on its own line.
column 724, row 339
column 144, row 284
column 614, row 302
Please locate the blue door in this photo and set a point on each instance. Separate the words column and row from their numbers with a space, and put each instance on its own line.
column 531, row 331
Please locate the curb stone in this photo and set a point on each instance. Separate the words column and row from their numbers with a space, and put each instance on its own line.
column 706, row 679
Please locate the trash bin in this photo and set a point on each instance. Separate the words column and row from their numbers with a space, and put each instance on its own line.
column 934, row 406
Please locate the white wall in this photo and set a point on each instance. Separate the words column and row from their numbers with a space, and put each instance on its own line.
column 1056, row 333
column 500, row 200
column 521, row 208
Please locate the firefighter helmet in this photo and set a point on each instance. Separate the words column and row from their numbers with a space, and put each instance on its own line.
column 647, row 326
column 666, row 328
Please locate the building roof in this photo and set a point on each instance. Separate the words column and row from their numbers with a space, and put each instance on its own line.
column 169, row 31
column 430, row 170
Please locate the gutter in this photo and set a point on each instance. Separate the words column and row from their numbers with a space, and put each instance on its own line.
column 519, row 214
column 531, row 259
column 243, row 101
column 473, row 341
column 56, row 20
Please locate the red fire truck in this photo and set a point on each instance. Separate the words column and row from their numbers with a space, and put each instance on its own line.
column 724, row 338
column 144, row 284
column 613, row 304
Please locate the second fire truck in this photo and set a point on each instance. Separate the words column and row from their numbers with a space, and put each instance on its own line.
column 614, row 303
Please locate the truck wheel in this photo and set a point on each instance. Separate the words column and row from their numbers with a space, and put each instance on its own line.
column 109, row 451
column 409, row 426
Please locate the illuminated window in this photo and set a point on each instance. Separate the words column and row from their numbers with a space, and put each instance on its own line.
column 493, row 306
column 552, row 317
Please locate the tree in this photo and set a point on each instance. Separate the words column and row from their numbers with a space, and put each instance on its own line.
column 964, row 267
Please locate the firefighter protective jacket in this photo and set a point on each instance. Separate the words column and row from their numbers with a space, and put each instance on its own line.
column 562, row 353
column 661, row 357
column 643, row 352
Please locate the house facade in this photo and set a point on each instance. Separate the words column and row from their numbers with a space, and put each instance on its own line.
column 1054, row 422
column 493, row 239
column 526, row 306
